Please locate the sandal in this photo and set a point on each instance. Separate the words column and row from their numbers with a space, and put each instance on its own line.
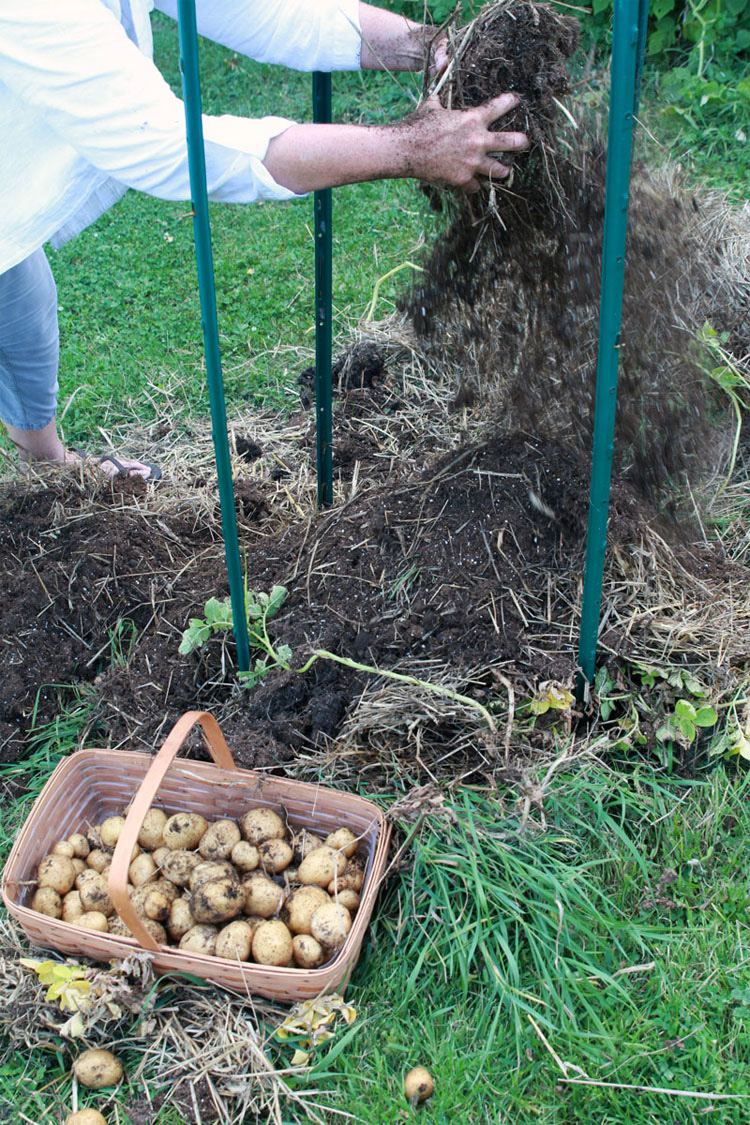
column 154, row 472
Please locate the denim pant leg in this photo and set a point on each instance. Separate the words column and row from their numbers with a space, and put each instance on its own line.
column 29, row 344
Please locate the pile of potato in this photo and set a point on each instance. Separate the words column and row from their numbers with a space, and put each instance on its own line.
column 247, row 890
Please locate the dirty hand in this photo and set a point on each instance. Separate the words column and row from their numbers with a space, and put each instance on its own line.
column 456, row 147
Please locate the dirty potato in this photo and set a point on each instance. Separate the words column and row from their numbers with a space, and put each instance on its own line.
column 245, row 856
column 219, row 839
column 275, row 856
column 235, row 941
column 217, row 901
column 178, row 865
column 47, row 901
column 97, row 1068
column 200, row 939
column 330, row 924
column 151, row 835
column 272, row 944
column 262, row 895
column 308, row 952
column 301, row 906
column 258, row 825
column 58, row 872
column 184, row 831
column 321, row 866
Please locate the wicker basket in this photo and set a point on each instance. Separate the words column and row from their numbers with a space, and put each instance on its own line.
column 93, row 784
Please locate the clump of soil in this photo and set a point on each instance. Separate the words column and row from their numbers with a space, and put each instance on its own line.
column 510, row 293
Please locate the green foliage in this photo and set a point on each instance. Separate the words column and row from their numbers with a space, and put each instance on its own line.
column 219, row 618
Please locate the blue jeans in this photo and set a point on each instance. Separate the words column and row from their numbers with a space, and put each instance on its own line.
column 29, row 344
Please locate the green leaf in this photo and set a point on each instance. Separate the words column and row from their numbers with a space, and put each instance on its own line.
column 684, row 710
column 706, row 716
column 219, row 613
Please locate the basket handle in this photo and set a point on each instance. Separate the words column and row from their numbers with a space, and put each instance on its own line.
column 118, row 874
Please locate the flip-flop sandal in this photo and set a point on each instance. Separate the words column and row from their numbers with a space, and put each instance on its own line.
column 154, row 473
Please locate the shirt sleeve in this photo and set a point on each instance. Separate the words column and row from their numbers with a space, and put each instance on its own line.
column 74, row 64
column 301, row 34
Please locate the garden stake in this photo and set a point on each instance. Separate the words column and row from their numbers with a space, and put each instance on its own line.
column 628, row 38
column 323, row 309
column 188, row 36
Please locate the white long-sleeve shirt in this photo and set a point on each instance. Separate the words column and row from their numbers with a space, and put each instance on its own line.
column 85, row 114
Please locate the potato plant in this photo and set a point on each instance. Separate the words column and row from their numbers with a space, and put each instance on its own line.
column 252, row 889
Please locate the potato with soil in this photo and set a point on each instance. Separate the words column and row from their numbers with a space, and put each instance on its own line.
column 178, row 865
column 98, row 859
column 141, row 869
column 322, row 866
column 211, row 869
column 259, row 825
column 217, row 900
column 307, row 951
column 275, row 856
column 86, row 1117
column 110, row 830
column 352, row 879
column 184, row 831
column 219, row 839
column 97, row 1068
column 330, row 924
column 57, row 872
column 64, row 847
column 235, row 941
column 262, row 895
column 303, row 842
column 200, row 939
column 72, row 907
column 151, row 835
column 343, row 840
column 302, row 905
column 245, row 856
column 94, row 894
column 47, row 901
column 180, row 919
column 92, row 920
column 272, row 944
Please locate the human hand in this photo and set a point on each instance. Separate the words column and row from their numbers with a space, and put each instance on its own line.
column 438, row 57
column 457, row 147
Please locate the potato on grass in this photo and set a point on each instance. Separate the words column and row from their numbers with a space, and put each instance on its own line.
column 272, row 944
column 219, row 839
column 235, row 941
column 47, row 901
column 343, row 840
column 418, row 1085
column 217, row 901
column 308, row 952
column 275, row 856
column 258, row 825
column 151, row 835
column 97, row 1068
column 245, row 856
column 330, row 924
column 200, row 939
column 86, row 1117
column 92, row 920
column 58, row 872
column 262, row 896
column 321, row 866
column 184, row 831
column 302, row 905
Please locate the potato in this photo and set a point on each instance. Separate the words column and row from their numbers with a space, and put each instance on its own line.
column 64, row 847
column 343, row 840
column 258, row 825
column 110, row 830
column 178, row 865
column 86, row 1117
column 304, row 842
column 80, row 845
column 211, row 869
column 85, row 876
column 160, row 854
column 156, row 905
column 180, row 919
column 218, row 900
column 301, row 906
column 219, row 839
column 72, row 907
column 95, row 895
column 330, row 924
column 321, row 866
column 58, row 872
column 79, row 865
column 92, row 920
column 245, row 856
column 151, row 835
column 169, row 889
column 235, row 941
column 418, row 1085
column 262, row 895
column 118, row 927
column 184, row 831
column 97, row 859
column 200, row 939
column 97, row 1068
column 253, row 921
column 291, row 875
column 272, row 944
column 348, row 898
column 275, row 855
column 307, row 952
column 47, row 901
column 141, row 869
column 352, row 879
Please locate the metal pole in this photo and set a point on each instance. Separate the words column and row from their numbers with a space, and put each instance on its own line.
column 323, row 309
column 628, row 33
column 188, row 35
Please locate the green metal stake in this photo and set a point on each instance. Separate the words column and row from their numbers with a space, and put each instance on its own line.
column 628, row 34
column 323, row 309
column 188, row 35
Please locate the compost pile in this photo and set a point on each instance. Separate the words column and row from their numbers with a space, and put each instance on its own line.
column 510, row 292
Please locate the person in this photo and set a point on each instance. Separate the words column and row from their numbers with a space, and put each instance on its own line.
column 85, row 115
